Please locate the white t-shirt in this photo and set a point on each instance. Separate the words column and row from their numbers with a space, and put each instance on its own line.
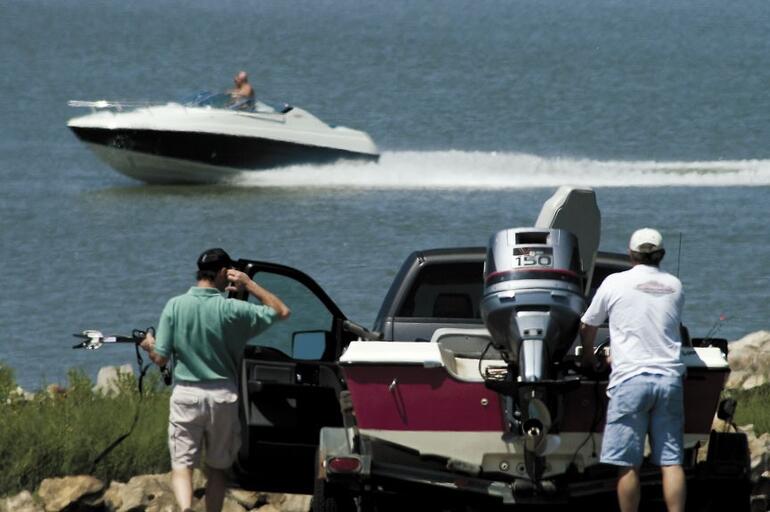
column 644, row 305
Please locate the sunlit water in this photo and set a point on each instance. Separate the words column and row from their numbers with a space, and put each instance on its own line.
column 481, row 110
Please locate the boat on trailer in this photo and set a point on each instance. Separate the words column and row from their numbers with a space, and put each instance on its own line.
column 502, row 414
column 209, row 138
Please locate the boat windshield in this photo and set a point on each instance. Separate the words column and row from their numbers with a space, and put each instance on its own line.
column 225, row 101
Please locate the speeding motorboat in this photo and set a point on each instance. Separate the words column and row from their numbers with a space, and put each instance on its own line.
column 210, row 137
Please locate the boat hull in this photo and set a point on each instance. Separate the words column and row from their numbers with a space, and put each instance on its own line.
column 194, row 157
column 439, row 405
column 411, row 398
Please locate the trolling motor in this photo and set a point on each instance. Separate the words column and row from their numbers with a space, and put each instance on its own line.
column 532, row 303
column 94, row 340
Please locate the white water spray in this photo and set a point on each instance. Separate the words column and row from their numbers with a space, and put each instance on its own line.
column 478, row 170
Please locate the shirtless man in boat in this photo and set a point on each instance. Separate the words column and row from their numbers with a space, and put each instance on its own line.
column 242, row 93
column 644, row 306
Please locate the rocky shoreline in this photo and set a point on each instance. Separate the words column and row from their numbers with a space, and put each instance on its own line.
column 749, row 361
column 145, row 493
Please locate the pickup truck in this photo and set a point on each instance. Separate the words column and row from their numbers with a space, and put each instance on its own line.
column 293, row 391
column 291, row 383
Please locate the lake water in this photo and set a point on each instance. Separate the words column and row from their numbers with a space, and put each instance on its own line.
column 481, row 109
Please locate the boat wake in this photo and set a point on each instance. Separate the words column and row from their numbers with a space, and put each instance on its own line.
column 492, row 170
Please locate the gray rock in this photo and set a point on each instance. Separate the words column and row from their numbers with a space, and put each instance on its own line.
column 230, row 505
column 113, row 497
column 199, row 480
column 749, row 360
column 22, row 502
column 148, row 493
column 753, row 381
column 289, row 502
column 164, row 502
column 18, row 395
column 759, row 447
column 59, row 493
column 141, row 491
column 736, row 378
column 107, row 378
column 247, row 499
column 269, row 508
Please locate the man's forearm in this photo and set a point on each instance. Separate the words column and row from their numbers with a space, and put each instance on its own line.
column 268, row 299
column 148, row 344
column 157, row 359
column 587, row 337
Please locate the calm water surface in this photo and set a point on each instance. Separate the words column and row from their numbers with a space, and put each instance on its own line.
column 481, row 111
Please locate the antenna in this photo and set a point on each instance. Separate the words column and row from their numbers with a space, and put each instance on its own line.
column 717, row 325
column 679, row 254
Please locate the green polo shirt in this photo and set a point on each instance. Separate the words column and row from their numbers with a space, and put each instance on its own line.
column 206, row 333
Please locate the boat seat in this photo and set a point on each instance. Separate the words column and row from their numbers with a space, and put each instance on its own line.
column 461, row 350
column 466, row 343
column 453, row 305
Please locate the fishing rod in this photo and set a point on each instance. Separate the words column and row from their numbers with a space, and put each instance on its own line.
column 715, row 328
column 92, row 339
column 722, row 317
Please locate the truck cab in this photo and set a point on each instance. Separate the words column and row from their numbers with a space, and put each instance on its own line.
column 440, row 288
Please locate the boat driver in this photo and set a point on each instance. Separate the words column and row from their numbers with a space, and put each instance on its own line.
column 242, row 94
column 644, row 306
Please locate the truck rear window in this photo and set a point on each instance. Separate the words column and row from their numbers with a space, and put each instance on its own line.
column 449, row 290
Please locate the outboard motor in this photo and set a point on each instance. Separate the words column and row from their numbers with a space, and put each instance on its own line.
column 533, row 298
column 532, row 303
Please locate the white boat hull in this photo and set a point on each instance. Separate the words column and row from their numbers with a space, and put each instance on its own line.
column 159, row 169
column 181, row 144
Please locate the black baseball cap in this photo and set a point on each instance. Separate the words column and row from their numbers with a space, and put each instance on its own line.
column 214, row 259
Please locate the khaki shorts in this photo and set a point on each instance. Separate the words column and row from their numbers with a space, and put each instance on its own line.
column 203, row 415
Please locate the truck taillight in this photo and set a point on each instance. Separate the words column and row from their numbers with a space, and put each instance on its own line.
column 343, row 465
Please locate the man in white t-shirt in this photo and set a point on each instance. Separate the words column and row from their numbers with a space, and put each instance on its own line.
column 644, row 306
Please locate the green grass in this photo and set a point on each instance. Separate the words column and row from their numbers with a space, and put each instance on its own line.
column 7, row 382
column 753, row 407
column 61, row 434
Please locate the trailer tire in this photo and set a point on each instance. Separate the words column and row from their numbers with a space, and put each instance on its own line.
column 328, row 497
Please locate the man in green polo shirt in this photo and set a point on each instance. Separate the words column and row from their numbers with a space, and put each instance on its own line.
column 206, row 335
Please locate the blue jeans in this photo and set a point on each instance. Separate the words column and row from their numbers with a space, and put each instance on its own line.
column 645, row 404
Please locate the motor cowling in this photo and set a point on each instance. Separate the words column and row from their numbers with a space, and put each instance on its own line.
column 533, row 297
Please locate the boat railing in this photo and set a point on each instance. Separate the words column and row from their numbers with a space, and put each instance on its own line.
column 118, row 106
column 273, row 117
column 260, row 110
